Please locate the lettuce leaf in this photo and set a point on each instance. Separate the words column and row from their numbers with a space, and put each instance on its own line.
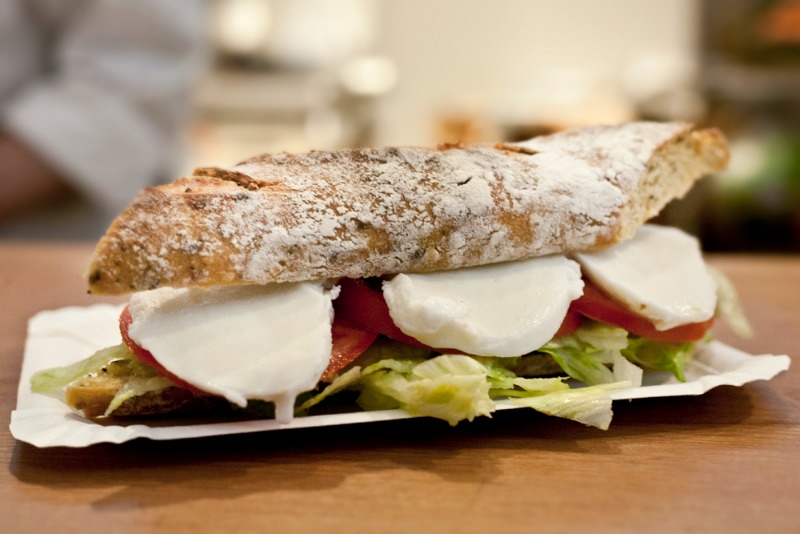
column 340, row 383
column 590, row 405
column 672, row 357
column 456, row 387
column 594, row 355
column 53, row 381
column 449, row 387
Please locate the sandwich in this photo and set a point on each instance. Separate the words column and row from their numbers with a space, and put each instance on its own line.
column 435, row 281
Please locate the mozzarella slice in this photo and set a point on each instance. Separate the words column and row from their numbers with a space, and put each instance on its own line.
column 269, row 342
column 659, row 274
column 507, row 309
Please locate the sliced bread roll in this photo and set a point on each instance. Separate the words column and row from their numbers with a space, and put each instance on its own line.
column 368, row 212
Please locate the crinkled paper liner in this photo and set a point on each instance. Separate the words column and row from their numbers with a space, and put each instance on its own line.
column 60, row 337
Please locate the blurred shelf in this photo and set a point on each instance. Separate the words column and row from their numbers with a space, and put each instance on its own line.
column 751, row 83
column 256, row 96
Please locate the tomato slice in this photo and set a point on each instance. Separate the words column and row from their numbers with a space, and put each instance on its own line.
column 571, row 322
column 361, row 302
column 349, row 342
column 596, row 304
column 145, row 356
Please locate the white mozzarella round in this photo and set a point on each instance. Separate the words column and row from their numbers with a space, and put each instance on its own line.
column 506, row 309
column 269, row 342
column 659, row 274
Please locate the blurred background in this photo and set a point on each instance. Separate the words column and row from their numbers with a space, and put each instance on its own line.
column 296, row 75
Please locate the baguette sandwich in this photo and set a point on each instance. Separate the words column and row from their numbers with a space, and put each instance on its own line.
column 431, row 280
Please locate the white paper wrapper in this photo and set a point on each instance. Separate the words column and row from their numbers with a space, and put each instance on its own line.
column 60, row 337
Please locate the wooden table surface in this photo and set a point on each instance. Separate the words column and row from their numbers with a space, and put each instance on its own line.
column 728, row 461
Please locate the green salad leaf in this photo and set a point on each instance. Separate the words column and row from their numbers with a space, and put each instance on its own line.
column 672, row 357
column 456, row 387
column 594, row 355
column 449, row 387
column 590, row 405
column 53, row 381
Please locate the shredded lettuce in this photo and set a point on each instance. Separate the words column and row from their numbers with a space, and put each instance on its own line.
column 672, row 357
column 590, row 405
column 53, row 381
column 456, row 387
column 340, row 383
column 603, row 337
column 449, row 387
column 626, row 371
column 592, row 355
column 601, row 354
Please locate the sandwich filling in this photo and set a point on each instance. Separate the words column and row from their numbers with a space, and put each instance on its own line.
column 443, row 344
column 269, row 342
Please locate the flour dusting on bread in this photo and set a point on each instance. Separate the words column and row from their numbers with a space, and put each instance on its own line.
column 370, row 212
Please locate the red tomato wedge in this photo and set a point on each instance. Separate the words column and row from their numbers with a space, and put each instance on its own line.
column 597, row 305
column 363, row 304
column 145, row 356
column 349, row 342
column 571, row 322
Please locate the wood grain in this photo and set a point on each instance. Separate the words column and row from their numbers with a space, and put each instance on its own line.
column 727, row 461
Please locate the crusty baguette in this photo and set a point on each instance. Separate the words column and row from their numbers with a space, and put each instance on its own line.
column 368, row 212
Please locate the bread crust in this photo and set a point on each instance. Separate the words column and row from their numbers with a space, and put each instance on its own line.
column 370, row 212
column 92, row 395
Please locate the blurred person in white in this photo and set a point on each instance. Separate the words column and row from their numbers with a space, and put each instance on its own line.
column 94, row 95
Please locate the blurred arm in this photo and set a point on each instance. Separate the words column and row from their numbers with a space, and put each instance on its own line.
column 26, row 181
column 109, row 118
